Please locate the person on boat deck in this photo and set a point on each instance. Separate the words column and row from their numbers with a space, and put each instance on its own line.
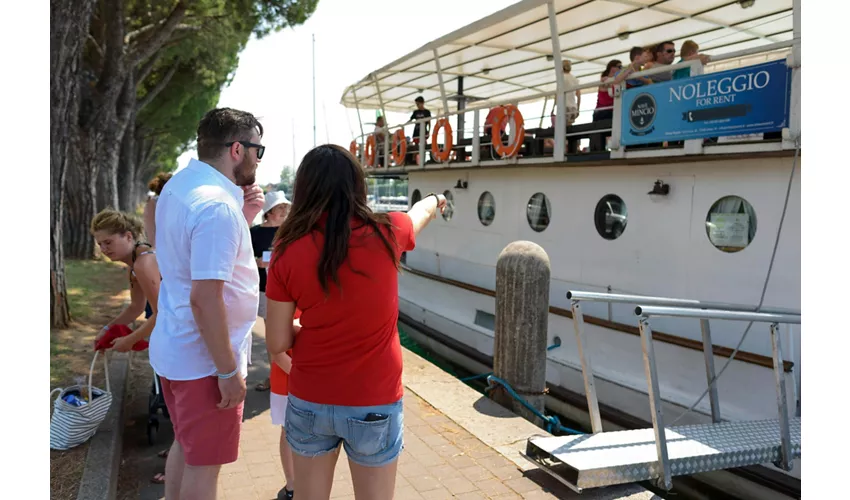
column 689, row 52
column 662, row 55
column 573, row 98
column 639, row 56
column 337, row 262
column 419, row 113
column 274, row 212
column 380, row 136
column 604, row 95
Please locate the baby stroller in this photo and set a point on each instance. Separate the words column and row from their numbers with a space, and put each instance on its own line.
column 156, row 402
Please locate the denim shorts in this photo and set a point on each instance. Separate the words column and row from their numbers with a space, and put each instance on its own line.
column 316, row 429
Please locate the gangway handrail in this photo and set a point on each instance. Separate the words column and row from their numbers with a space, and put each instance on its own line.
column 673, row 302
column 645, row 312
column 683, row 308
column 684, row 312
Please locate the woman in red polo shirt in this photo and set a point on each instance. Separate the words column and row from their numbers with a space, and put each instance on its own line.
column 337, row 262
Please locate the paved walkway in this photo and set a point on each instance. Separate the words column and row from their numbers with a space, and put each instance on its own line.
column 440, row 460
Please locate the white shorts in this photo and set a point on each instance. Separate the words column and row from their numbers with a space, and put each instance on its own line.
column 278, row 404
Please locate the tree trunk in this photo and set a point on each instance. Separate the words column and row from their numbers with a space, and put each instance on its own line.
column 127, row 187
column 69, row 24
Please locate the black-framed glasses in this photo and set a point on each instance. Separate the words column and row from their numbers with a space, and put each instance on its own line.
column 261, row 150
column 670, row 51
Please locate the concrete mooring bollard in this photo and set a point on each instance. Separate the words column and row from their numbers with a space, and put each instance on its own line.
column 522, row 319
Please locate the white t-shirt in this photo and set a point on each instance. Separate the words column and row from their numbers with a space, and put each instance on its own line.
column 201, row 235
column 570, row 81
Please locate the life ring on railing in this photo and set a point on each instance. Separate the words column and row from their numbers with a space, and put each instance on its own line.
column 352, row 148
column 442, row 155
column 369, row 151
column 399, row 147
column 503, row 116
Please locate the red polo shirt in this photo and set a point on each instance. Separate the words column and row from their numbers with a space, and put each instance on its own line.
column 348, row 351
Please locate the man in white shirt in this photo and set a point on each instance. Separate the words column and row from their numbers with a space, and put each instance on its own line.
column 208, row 299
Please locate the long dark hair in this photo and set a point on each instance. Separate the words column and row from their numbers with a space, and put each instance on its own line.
column 612, row 63
column 330, row 180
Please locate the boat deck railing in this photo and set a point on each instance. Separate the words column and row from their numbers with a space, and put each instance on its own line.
column 660, row 453
column 558, row 144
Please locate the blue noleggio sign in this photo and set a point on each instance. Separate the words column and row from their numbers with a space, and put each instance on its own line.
column 749, row 100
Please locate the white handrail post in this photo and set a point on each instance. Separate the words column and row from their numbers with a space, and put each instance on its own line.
column 442, row 92
column 360, row 122
column 561, row 117
column 694, row 146
column 422, row 137
column 794, row 124
column 386, row 130
column 617, row 150
column 476, row 138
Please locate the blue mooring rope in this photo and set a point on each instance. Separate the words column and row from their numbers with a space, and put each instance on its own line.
column 552, row 421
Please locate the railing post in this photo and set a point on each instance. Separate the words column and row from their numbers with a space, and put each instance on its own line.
column 708, row 354
column 422, row 137
column 360, row 122
column 561, row 117
column 785, row 461
column 522, row 318
column 694, row 146
column 476, row 139
column 586, row 368
column 617, row 150
column 664, row 475
column 385, row 128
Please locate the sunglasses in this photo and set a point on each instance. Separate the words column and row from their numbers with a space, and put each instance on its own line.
column 670, row 51
column 261, row 150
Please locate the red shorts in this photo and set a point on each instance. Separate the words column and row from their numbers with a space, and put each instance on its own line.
column 208, row 435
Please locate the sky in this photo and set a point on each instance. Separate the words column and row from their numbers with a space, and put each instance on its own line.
column 274, row 78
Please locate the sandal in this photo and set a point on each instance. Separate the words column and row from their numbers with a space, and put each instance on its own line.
column 285, row 494
column 163, row 453
column 158, row 478
column 263, row 386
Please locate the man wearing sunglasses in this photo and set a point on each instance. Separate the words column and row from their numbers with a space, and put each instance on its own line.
column 665, row 54
column 208, row 298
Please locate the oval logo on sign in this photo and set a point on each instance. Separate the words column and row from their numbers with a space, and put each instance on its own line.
column 642, row 112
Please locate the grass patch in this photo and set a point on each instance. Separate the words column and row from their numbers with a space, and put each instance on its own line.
column 97, row 292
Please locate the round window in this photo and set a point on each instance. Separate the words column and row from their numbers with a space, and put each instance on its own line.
column 731, row 224
column 538, row 212
column 450, row 205
column 610, row 217
column 486, row 208
column 415, row 197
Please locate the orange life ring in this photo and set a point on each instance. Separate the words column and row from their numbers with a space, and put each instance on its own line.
column 506, row 113
column 352, row 148
column 399, row 147
column 442, row 155
column 369, row 153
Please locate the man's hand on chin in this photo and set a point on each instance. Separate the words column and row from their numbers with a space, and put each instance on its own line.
column 254, row 200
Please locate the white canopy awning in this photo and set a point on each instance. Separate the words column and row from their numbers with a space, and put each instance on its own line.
column 507, row 55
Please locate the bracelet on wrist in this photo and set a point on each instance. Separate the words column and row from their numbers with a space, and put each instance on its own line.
column 225, row 376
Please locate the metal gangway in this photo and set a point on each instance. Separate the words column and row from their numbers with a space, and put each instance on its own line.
column 660, row 453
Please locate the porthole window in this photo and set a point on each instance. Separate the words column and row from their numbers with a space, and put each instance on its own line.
column 486, row 208
column 731, row 224
column 450, row 205
column 538, row 212
column 610, row 217
column 415, row 197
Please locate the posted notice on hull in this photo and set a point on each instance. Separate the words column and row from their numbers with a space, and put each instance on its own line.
column 750, row 100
